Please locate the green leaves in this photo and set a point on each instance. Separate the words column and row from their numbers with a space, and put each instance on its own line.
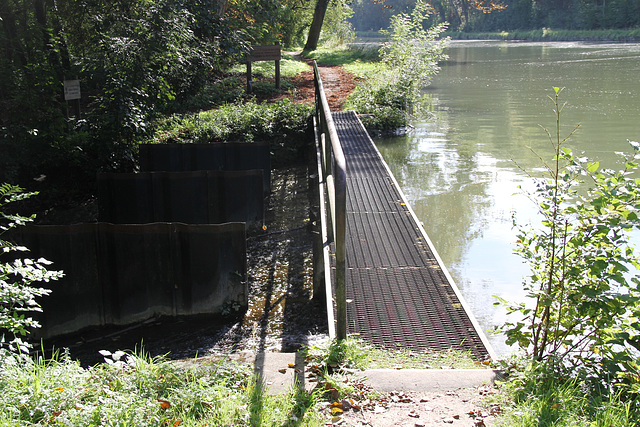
column 583, row 287
column 17, row 277
column 409, row 59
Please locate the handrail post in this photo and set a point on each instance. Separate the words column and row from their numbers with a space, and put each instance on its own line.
column 335, row 174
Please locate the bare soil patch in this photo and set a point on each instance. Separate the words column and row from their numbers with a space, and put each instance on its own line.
column 462, row 407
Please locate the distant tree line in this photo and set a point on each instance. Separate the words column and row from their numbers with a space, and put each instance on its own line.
column 504, row 15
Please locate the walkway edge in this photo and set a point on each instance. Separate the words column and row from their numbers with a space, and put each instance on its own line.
column 283, row 372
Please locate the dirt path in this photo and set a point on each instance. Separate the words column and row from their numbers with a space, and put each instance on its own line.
column 338, row 84
column 461, row 407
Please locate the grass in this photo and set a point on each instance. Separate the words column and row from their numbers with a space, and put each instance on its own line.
column 356, row 353
column 564, row 403
column 232, row 86
column 289, row 67
column 344, row 55
column 136, row 389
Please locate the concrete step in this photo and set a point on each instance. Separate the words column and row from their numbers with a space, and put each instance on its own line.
column 282, row 371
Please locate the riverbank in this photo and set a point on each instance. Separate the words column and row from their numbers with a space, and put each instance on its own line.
column 548, row 34
column 544, row 34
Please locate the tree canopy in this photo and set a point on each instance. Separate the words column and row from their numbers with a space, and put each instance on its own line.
column 135, row 60
column 501, row 15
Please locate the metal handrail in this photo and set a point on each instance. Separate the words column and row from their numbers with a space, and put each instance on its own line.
column 334, row 171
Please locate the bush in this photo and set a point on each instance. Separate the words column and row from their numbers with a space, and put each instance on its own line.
column 583, row 319
column 283, row 124
column 17, row 276
column 409, row 59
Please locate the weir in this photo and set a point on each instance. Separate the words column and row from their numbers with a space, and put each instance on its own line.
column 383, row 278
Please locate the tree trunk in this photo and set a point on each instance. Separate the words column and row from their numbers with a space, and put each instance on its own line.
column 13, row 50
column 461, row 9
column 316, row 25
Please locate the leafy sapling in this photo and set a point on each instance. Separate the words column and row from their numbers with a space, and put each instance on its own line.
column 18, row 277
column 583, row 288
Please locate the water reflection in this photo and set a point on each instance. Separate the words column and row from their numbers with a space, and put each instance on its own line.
column 461, row 169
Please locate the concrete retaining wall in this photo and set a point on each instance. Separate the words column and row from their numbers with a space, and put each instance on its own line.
column 214, row 156
column 121, row 274
column 203, row 197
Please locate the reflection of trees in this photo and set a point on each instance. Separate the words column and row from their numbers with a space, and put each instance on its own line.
column 440, row 180
column 497, row 93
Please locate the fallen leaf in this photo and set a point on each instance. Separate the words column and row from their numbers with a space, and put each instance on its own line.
column 164, row 404
column 283, row 370
column 177, row 423
column 414, row 414
column 58, row 389
column 292, row 365
column 555, row 406
column 336, row 411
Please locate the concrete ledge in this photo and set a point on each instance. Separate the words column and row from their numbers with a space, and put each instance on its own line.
column 426, row 379
column 281, row 372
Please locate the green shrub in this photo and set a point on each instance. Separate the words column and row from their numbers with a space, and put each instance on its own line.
column 283, row 124
column 17, row 278
column 409, row 58
column 584, row 287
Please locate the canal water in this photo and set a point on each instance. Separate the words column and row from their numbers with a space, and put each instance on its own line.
column 461, row 168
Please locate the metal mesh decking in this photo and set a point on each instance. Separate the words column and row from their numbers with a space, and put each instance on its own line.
column 397, row 292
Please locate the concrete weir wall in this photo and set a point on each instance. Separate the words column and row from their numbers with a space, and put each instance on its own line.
column 121, row 274
column 215, row 156
column 202, row 197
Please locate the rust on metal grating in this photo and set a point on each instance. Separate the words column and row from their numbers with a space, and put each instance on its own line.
column 397, row 292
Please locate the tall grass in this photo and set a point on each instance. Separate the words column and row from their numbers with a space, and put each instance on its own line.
column 544, row 399
column 139, row 390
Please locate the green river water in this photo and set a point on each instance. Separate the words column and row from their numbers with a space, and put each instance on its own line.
column 460, row 168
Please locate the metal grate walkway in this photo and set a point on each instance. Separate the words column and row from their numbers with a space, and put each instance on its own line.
column 397, row 291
